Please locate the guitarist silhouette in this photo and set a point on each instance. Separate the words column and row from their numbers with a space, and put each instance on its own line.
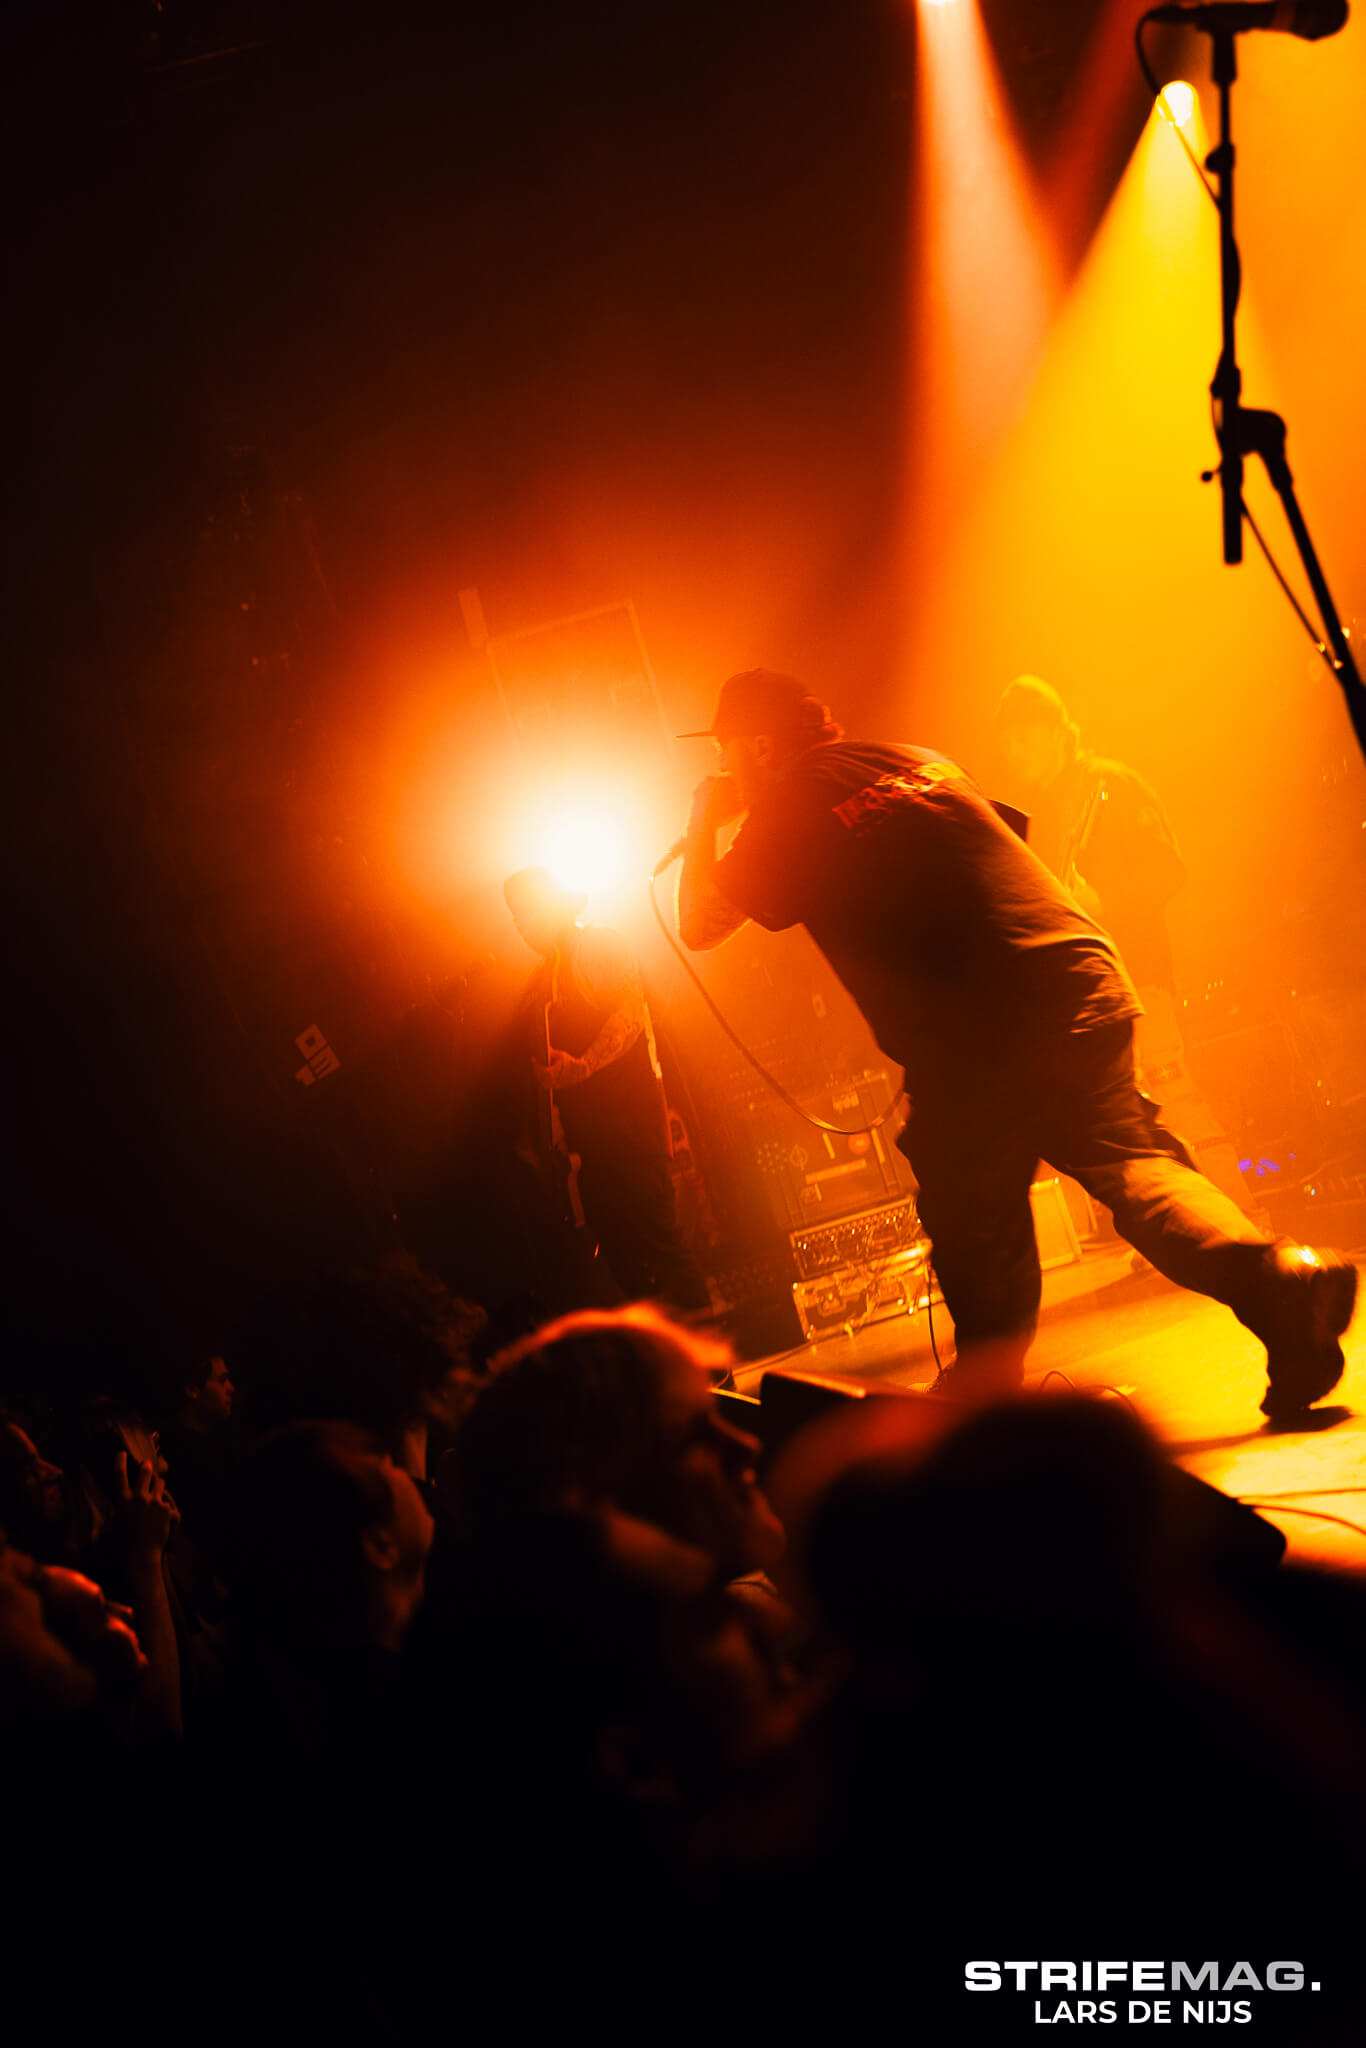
column 602, row 1100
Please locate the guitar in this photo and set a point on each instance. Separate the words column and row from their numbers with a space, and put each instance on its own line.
column 558, row 1165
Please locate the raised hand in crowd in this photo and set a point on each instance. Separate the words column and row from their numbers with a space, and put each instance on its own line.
column 144, row 1517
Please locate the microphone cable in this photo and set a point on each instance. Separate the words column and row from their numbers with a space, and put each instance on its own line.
column 770, row 1081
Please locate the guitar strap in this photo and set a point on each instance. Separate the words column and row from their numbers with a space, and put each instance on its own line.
column 1079, row 838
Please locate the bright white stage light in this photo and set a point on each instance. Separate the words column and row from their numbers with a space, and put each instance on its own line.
column 1178, row 99
column 585, row 849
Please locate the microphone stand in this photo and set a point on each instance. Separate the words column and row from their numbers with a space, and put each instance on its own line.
column 1241, row 431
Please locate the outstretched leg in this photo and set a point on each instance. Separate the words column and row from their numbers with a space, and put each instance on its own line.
column 1102, row 1130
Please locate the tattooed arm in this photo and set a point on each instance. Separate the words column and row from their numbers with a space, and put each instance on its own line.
column 609, row 976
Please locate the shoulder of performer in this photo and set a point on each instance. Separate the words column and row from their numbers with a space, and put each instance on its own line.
column 605, row 967
column 1114, row 775
column 1138, row 839
column 1123, row 785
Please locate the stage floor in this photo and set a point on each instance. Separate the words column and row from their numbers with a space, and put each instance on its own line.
column 1189, row 1368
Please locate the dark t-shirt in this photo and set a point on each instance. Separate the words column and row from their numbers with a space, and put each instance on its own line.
column 955, row 941
column 623, row 1102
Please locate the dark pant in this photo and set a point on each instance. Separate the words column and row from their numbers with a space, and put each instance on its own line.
column 626, row 1184
column 975, row 1149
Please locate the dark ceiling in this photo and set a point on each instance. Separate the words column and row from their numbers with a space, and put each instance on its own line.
column 558, row 301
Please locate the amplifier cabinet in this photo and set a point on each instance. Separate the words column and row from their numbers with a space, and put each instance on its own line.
column 1054, row 1231
column 811, row 1175
column 855, row 1240
column 848, row 1297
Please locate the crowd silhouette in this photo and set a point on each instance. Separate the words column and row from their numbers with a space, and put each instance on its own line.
column 377, row 1669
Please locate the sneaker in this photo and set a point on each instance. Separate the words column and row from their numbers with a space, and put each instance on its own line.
column 978, row 1379
column 1312, row 1295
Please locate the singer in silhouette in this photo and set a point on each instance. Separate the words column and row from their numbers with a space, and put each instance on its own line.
column 1011, row 1014
column 604, row 1077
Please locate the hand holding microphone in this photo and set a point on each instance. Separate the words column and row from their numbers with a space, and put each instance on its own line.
column 715, row 802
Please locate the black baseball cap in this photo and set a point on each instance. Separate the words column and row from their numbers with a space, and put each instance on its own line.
column 761, row 700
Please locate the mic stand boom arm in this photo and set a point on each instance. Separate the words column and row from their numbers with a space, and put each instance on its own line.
column 1242, row 432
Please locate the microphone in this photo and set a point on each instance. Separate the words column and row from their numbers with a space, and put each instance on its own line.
column 676, row 852
column 1311, row 20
